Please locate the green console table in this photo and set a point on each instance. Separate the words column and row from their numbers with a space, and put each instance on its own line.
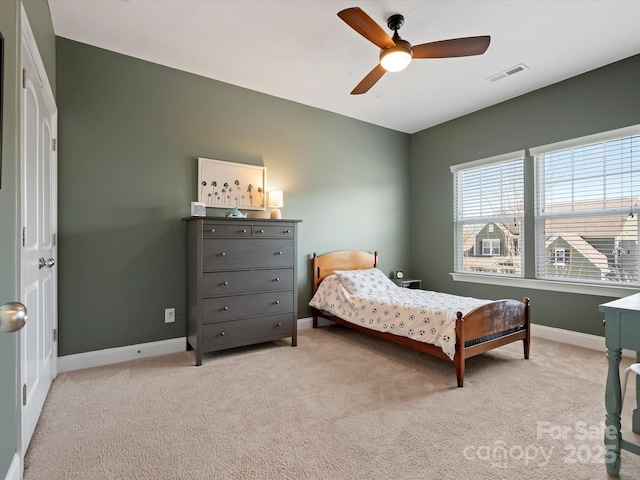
column 622, row 330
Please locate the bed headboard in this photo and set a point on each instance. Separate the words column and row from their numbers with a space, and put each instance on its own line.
column 324, row 265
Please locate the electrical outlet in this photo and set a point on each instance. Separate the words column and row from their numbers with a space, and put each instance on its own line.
column 169, row 315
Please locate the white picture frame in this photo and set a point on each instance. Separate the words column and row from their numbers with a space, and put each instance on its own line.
column 227, row 185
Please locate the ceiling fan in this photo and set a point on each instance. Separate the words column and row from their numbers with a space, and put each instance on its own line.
column 396, row 53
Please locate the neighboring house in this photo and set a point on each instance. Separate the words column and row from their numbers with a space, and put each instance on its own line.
column 493, row 247
column 569, row 255
column 598, row 248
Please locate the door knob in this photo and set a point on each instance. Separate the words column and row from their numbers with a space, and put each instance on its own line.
column 45, row 263
column 13, row 316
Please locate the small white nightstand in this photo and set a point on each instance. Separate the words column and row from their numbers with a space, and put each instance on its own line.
column 408, row 283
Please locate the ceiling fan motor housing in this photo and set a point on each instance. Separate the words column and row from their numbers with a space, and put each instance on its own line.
column 401, row 46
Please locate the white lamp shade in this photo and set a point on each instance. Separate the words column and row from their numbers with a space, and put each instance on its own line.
column 396, row 61
column 397, row 58
column 275, row 199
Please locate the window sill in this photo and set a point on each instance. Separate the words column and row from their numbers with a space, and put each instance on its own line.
column 567, row 287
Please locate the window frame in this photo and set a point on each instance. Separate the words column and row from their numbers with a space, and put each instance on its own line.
column 540, row 258
column 561, row 256
column 491, row 242
column 459, row 170
column 528, row 283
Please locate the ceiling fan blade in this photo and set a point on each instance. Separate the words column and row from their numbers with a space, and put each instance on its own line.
column 456, row 47
column 370, row 80
column 366, row 26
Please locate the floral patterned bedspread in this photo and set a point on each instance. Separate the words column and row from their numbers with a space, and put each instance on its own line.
column 369, row 298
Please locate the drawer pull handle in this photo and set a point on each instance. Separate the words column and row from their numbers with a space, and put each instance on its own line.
column 213, row 230
column 277, row 279
column 222, row 334
column 261, row 230
column 287, row 231
column 244, row 230
column 225, row 283
column 223, row 254
column 278, row 253
column 225, row 308
column 277, row 302
column 279, row 324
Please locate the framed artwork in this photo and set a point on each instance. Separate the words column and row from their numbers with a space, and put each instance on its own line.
column 226, row 184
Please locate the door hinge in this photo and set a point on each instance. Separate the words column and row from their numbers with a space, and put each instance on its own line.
column 55, row 334
column 24, row 78
column 24, row 394
column 24, row 236
column 54, row 144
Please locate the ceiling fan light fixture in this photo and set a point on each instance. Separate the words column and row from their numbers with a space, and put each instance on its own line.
column 396, row 59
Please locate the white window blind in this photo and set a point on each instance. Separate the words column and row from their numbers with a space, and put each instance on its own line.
column 586, row 213
column 488, row 215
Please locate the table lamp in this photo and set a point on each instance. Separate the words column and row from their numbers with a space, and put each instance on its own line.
column 275, row 202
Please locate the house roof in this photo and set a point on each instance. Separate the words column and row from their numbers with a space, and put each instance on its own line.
column 488, row 263
column 469, row 241
column 583, row 247
column 597, row 225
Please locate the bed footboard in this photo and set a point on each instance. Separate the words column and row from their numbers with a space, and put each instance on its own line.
column 488, row 327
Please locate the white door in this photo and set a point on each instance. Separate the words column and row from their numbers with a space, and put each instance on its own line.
column 38, row 203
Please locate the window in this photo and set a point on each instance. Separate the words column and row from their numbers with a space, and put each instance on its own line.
column 586, row 213
column 488, row 214
column 490, row 246
column 560, row 256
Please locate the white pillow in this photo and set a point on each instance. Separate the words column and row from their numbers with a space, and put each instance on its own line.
column 362, row 282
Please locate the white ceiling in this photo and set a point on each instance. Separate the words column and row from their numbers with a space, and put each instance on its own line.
column 300, row 50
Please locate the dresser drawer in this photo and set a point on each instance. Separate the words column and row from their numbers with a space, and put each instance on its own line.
column 214, row 230
column 273, row 231
column 246, row 331
column 248, row 281
column 229, row 254
column 219, row 309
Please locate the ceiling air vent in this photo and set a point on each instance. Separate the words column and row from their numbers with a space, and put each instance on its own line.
column 507, row 73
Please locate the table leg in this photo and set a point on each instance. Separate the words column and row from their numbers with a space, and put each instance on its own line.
column 612, row 400
column 635, row 419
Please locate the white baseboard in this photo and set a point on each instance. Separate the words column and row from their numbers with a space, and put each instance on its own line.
column 584, row 340
column 131, row 352
column 305, row 323
column 14, row 469
column 108, row 356
column 592, row 342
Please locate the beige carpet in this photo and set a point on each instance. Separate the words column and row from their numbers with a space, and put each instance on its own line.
column 341, row 405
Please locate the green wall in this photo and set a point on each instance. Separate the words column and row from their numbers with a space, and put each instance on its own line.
column 40, row 21
column 130, row 133
column 601, row 100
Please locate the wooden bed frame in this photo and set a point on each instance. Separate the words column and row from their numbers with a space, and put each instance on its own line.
column 480, row 330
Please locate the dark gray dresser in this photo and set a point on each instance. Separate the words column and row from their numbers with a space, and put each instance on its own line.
column 241, row 283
